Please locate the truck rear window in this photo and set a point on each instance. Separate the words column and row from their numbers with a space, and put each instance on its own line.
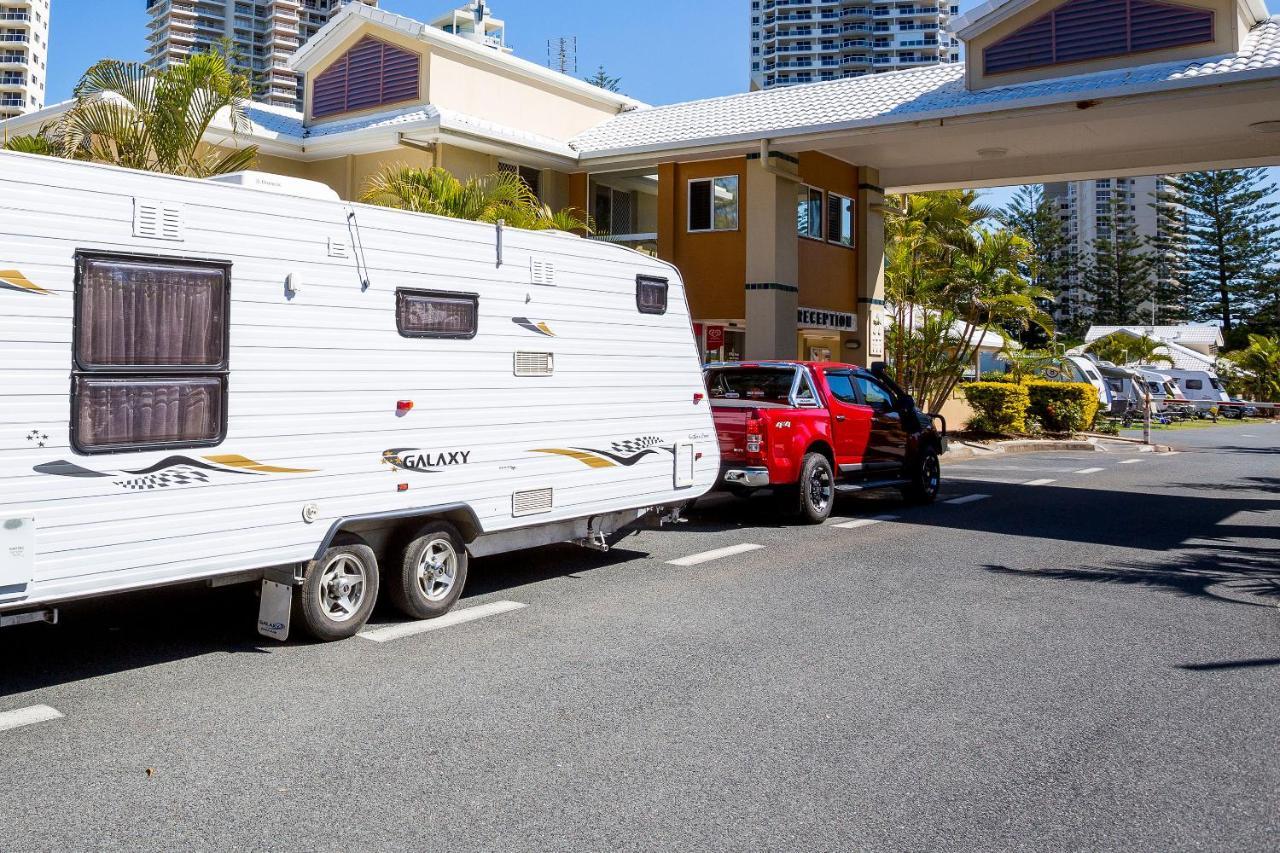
column 767, row 385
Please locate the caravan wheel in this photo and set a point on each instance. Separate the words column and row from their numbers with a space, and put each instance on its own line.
column 338, row 593
column 432, row 574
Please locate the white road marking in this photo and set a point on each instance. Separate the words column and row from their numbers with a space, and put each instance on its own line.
column 865, row 522
column 1089, row 470
column 1247, row 435
column 1039, row 482
column 967, row 499
column 708, row 556
column 456, row 617
column 1169, row 453
column 28, row 716
column 1129, row 461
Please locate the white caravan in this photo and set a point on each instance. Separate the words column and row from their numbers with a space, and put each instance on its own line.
column 207, row 381
column 1201, row 387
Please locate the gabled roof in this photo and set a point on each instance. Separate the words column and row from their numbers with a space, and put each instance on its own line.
column 905, row 97
column 1186, row 333
column 983, row 17
column 353, row 15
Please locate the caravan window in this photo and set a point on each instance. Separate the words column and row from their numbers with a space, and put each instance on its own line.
column 1195, row 385
column 434, row 314
column 651, row 295
column 150, row 353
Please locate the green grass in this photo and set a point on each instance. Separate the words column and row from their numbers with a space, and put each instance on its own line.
column 1195, row 424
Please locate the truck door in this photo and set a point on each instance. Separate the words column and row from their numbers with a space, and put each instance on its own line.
column 887, row 450
column 850, row 421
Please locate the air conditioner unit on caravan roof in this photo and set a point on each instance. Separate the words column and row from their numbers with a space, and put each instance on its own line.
column 279, row 184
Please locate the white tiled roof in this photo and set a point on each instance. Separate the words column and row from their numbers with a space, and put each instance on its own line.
column 902, row 96
column 1186, row 333
column 286, row 125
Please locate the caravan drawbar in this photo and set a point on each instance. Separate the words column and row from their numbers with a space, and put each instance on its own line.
column 201, row 381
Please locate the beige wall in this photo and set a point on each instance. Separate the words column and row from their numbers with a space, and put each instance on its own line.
column 484, row 91
column 1229, row 31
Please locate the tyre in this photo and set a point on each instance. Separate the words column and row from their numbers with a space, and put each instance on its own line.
column 338, row 593
column 925, row 477
column 432, row 574
column 814, row 494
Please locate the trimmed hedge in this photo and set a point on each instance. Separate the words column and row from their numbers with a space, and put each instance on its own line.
column 999, row 407
column 1062, row 406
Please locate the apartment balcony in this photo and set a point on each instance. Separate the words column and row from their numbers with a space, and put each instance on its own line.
column 14, row 38
column 11, row 59
column 15, row 19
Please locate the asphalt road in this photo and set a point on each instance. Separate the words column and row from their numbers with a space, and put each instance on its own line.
column 1092, row 662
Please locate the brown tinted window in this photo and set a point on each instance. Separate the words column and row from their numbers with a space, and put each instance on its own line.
column 651, row 295
column 151, row 354
column 113, row 412
column 426, row 314
column 148, row 314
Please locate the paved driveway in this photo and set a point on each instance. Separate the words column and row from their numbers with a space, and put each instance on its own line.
column 1074, row 651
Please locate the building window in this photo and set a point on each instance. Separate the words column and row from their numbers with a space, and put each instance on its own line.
column 713, row 204
column 614, row 211
column 434, row 314
column 651, row 294
column 840, row 219
column 151, row 341
column 809, row 212
column 532, row 177
column 370, row 74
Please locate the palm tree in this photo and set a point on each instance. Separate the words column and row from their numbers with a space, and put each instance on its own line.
column 1125, row 349
column 949, row 281
column 1257, row 368
column 128, row 115
column 489, row 198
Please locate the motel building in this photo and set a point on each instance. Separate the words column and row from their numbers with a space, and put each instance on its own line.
column 772, row 203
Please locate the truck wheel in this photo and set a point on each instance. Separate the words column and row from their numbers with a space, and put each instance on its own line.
column 432, row 574
column 338, row 593
column 815, row 492
column 926, row 478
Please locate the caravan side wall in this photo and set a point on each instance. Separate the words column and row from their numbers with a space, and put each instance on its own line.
column 607, row 419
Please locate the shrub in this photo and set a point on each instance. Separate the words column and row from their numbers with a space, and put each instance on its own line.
column 997, row 406
column 1062, row 406
column 997, row 376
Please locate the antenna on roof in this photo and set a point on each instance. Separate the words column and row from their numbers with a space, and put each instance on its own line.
column 562, row 54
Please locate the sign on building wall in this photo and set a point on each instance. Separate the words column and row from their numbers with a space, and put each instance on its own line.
column 715, row 337
column 875, row 346
column 817, row 318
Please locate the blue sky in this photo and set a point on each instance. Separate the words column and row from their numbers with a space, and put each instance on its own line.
column 664, row 50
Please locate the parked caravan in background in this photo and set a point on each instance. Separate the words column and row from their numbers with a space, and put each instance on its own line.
column 1126, row 390
column 1201, row 387
column 207, row 381
column 1077, row 368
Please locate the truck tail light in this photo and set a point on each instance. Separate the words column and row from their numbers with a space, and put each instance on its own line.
column 755, row 433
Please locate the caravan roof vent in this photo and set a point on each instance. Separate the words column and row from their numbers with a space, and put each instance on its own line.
column 279, row 184
column 157, row 220
column 542, row 272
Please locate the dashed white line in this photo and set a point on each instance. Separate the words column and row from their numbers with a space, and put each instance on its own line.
column 864, row 522
column 457, row 617
column 28, row 716
column 708, row 556
column 1039, row 482
column 1089, row 470
column 967, row 499
column 1129, row 461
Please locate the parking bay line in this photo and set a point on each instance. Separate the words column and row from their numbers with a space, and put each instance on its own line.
column 456, row 617
column 1130, row 461
column 864, row 522
column 1039, row 482
column 708, row 556
column 1088, row 470
column 967, row 499
column 28, row 716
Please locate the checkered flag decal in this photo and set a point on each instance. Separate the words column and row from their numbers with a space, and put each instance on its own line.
column 635, row 445
column 178, row 476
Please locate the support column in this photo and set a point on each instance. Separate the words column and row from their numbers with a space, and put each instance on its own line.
column 772, row 260
column 870, row 237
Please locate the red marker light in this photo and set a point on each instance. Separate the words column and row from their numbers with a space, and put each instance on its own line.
column 697, row 398
column 402, row 487
column 403, row 407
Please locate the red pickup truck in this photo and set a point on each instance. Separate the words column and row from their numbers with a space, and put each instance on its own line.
column 811, row 430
